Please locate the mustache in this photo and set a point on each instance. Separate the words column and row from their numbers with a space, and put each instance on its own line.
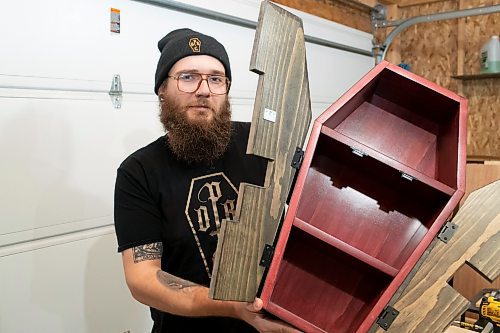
column 201, row 103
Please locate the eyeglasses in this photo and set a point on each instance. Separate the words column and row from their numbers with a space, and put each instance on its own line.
column 190, row 82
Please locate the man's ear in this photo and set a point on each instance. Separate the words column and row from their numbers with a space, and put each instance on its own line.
column 161, row 89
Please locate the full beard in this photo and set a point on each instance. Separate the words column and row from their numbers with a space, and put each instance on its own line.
column 196, row 142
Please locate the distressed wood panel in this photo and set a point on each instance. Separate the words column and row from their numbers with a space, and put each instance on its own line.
column 429, row 304
column 279, row 57
column 467, row 281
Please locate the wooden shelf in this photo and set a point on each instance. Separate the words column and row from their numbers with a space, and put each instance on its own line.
column 344, row 247
column 293, row 318
column 388, row 161
column 479, row 76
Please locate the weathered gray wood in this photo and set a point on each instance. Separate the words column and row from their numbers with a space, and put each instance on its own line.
column 487, row 259
column 279, row 57
column 429, row 304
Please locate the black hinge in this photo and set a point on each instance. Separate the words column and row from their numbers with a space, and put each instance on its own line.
column 387, row 317
column 447, row 231
column 297, row 158
column 267, row 256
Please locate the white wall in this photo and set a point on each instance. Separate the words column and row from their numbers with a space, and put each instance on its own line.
column 61, row 141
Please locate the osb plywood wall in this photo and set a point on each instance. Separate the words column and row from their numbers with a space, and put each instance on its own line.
column 484, row 95
column 441, row 49
column 436, row 51
column 431, row 48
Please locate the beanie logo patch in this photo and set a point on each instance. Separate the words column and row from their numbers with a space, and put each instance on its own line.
column 195, row 44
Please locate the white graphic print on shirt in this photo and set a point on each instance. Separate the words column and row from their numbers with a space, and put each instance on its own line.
column 211, row 201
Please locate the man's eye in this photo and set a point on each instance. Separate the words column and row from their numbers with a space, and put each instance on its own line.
column 187, row 77
column 216, row 79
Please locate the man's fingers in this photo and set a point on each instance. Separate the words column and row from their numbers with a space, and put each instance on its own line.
column 257, row 304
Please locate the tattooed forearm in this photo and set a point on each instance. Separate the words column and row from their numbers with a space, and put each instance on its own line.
column 150, row 251
column 173, row 282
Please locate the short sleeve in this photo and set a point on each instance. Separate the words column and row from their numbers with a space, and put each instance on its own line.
column 138, row 219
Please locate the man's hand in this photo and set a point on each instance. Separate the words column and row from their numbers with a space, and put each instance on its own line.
column 252, row 313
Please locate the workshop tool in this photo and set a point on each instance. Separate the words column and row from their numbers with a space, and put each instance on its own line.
column 488, row 311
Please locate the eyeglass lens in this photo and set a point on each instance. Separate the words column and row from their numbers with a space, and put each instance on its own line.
column 190, row 82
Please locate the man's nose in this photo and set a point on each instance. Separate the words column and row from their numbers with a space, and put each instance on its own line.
column 203, row 88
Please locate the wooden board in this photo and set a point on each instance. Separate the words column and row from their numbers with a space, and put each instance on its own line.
column 282, row 114
column 467, row 281
column 429, row 304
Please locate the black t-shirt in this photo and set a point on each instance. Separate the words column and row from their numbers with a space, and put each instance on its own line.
column 161, row 199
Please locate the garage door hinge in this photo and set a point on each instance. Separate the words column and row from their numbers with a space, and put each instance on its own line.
column 116, row 91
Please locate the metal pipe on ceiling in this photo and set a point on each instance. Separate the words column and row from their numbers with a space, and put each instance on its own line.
column 430, row 18
column 213, row 15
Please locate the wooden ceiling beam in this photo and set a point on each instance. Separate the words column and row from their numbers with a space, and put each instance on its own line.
column 348, row 12
column 389, row 2
column 368, row 3
column 361, row 4
column 407, row 3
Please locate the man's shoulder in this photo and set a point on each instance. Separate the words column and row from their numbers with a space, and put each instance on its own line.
column 241, row 129
column 241, row 124
column 150, row 153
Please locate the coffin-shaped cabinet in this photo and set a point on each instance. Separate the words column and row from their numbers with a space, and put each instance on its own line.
column 382, row 172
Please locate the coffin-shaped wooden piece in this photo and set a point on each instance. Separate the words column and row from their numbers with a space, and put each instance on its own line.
column 282, row 114
column 383, row 170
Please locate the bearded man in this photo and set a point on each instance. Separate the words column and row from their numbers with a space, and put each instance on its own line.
column 172, row 196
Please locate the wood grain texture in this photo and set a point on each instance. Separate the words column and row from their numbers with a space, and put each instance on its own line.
column 461, row 44
column 429, row 304
column 407, row 3
column 279, row 57
column 467, row 281
column 346, row 12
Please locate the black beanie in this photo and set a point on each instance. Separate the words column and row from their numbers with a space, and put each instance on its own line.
column 181, row 43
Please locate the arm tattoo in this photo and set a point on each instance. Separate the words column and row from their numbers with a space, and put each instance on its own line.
column 173, row 282
column 150, row 251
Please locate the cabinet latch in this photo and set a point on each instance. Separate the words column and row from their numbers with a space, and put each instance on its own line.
column 387, row 317
column 357, row 152
column 267, row 255
column 406, row 176
column 297, row 159
column 447, row 231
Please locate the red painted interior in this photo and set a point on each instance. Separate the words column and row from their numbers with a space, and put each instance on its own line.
column 355, row 227
column 333, row 291
column 346, row 196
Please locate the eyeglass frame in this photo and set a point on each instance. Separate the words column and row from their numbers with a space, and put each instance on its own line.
column 204, row 77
